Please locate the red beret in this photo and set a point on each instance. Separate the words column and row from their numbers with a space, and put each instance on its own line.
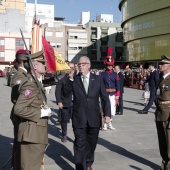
column 21, row 51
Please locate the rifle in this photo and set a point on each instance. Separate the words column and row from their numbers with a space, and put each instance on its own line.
column 44, row 106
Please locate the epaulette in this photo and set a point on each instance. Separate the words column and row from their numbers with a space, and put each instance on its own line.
column 12, row 78
column 25, row 80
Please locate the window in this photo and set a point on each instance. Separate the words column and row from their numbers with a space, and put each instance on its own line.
column 50, row 34
column 83, row 35
column 72, row 48
column 59, row 34
column 2, row 54
column 58, row 45
column 19, row 43
column 80, row 48
column 2, row 42
column 53, row 44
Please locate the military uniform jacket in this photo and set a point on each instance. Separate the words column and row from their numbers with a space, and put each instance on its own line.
column 32, row 127
column 163, row 110
column 19, row 77
column 111, row 81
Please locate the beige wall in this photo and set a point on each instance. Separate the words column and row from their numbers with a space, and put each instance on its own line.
column 13, row 4
column 9, row 55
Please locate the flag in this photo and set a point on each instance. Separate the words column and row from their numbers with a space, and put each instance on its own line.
column 36, row 44
column 54, row 61
column 49, row 55
column 60, row 63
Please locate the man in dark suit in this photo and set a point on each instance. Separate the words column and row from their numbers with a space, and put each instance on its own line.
column 64, row 104
column 119, row 107
column 153, row 81
column 86, row 119
column 162, row 114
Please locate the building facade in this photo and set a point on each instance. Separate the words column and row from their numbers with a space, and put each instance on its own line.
column 146, row 29
column 69, row 40
column 12, row 16
column 102, row 35
column 44, row 15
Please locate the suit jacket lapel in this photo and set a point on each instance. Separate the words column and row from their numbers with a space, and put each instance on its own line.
column 91, row 83
column 79, row 82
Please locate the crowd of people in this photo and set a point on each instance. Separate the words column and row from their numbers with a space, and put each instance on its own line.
column 90, row 98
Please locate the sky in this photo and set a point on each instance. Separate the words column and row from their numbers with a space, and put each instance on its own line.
column 71, row 9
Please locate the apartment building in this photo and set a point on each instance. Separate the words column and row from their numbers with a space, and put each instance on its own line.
column 102, row 35
column 69, row 40
column 12, row 15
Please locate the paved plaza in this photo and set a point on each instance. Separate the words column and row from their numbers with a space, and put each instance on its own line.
column 133, row 146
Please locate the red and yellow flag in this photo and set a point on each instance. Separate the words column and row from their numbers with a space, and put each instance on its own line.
column 60, row 63
column 49, row 55
column 54, row 61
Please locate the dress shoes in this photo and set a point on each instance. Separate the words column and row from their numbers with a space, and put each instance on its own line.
column 119, row 113
column 64, row 139
column 89, row 168
column 142, row 112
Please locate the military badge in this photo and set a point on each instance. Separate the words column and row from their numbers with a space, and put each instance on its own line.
column 28, row 93
column 18, row 82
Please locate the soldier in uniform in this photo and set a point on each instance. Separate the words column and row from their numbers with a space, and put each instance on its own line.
column 112, row 85
column 16, row 80
column 33, row 126
column 162, row 113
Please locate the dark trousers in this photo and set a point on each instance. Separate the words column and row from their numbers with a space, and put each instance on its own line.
column 65, row 115
column 84, row 146
column 151, row 100
column 164, row 142
column 119, row 107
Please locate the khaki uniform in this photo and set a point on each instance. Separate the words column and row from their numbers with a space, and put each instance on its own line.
column 19, row 77
column 33, row 130
column 162, row 115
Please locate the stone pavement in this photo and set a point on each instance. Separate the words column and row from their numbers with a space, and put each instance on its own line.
column 133, row 146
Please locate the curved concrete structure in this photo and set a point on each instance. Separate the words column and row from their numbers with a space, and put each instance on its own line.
column 146, row 28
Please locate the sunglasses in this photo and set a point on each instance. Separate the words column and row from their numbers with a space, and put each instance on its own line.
column 83, row 64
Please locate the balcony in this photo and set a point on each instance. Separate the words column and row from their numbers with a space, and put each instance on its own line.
column 119, row 49
column 103, row 49
column 93, row 36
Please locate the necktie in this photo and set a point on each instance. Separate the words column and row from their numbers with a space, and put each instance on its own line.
column 85, row 84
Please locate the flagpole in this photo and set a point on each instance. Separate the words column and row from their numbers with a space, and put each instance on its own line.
column 35, row 6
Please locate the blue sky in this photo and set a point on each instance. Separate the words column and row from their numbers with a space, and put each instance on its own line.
column 71, row 9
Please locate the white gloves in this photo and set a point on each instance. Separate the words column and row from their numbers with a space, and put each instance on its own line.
column 45, row 112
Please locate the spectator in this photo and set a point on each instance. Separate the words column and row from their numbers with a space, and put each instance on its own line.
column 153, row 81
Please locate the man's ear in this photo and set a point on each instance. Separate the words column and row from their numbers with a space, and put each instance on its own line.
column 35, row 67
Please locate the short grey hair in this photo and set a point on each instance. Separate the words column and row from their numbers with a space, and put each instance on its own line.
column 87, row 58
